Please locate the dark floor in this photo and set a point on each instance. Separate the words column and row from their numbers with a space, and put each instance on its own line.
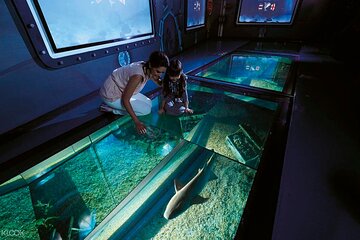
column 320, row 182
column 320, row 186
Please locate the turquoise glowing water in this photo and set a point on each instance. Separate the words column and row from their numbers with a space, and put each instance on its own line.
column 249, row 69
column 119, row 182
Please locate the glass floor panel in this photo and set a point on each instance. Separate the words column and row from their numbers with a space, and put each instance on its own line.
column 233, row 125
column 118, row 183
column 221, row 189
column 81, row 191
column 256, row 70
column 17, row 215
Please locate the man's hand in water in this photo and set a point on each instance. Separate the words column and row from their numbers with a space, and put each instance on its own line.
column 140, row 128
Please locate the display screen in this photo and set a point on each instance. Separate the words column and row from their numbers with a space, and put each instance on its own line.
column 75, row 24
column 195, row 14
column 266, row 12
column 64, row 33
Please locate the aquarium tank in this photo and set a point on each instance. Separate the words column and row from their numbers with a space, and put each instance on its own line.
column 194, row 171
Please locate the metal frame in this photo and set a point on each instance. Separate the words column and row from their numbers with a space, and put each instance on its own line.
column 288, row 90
column 42, row 45
column 186, row 17
column 266, row 23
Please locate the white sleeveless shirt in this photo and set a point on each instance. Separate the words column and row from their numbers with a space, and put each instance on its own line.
column 115, row 84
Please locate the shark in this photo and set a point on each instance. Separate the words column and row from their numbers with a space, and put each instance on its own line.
column 186, row 195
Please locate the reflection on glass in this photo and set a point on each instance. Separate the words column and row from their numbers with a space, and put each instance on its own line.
column 235, row 126
column 126, row 157
column 255, row 70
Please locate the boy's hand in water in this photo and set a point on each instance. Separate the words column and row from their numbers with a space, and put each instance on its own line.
column 140, row 128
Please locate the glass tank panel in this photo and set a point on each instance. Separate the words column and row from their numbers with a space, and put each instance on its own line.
column 211, row 184
column 235, row 126
column 70, row 200
column 126, row 157
column 116, row 183
column 248, row 69
column 17, row 216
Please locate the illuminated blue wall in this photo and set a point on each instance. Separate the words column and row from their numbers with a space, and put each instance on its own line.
column 29, row 91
